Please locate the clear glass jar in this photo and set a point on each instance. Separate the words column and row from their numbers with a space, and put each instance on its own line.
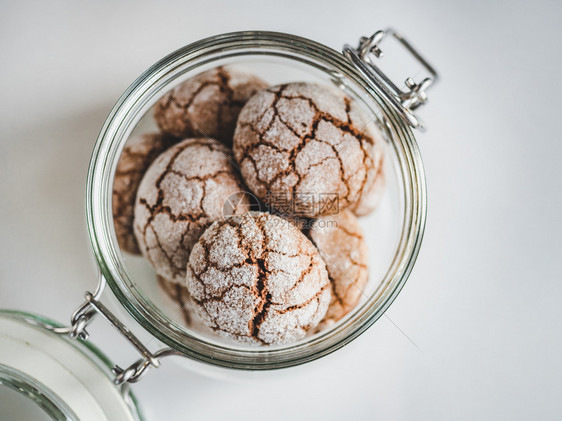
column 393, row 234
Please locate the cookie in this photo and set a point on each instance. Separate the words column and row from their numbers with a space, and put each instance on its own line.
column 138, row 154
column 300, row 151
column 207, row 104
column 182, row 193
column 372, row 195
column 342, row 246
column 256, row 279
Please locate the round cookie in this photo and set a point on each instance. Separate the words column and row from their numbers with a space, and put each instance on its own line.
column 138, row 154
column 207, row 104
column 181, row 193
column 257, row 279
column 300, row 151
column 340, row 242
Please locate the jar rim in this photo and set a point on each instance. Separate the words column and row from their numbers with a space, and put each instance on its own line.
column 113, row 136
column 25, row 378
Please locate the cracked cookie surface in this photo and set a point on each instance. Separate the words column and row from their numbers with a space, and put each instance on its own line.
column 207, row 104
column 138, row 154
column 256, row 279
column 341, row 244
column 181, row 193
column 301, row 151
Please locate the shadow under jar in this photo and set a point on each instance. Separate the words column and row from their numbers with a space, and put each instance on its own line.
column 393, row 233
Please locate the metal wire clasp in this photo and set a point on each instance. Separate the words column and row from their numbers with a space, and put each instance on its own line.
column 402, row 100
column 84, row 314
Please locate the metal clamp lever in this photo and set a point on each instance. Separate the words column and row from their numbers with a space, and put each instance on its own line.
column 403, row 101
column 84, row 314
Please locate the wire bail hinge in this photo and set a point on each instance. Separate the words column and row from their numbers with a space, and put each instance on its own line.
column 82, row 317
column 402, row 100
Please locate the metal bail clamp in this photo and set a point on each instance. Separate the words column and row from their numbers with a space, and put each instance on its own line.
column 85, row 314
column 403, row 101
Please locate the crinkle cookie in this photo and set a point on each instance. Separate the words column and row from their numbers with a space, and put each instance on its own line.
column 207, row 104
column 255, row 278
column 341, row 244
column 301, row 151
column 182, row 193
column 137, row 155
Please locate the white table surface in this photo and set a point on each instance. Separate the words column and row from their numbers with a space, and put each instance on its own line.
column 483, row 303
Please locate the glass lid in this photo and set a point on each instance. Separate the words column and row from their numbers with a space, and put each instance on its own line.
column 45, row 375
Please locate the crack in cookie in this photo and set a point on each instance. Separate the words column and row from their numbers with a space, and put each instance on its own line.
column 310, row 146
column 207, row 104
column 136, row 157
column 181, row 194
column 245, row 279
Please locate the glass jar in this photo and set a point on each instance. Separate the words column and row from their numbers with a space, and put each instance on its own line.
column 393, row 234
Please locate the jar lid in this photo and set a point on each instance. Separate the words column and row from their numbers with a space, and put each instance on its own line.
column 46, row 375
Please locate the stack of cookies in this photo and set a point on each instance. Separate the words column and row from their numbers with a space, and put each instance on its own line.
column 246, row 203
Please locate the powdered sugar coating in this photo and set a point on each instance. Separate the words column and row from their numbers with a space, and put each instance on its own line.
column 257, row 279
column 207, row 104
column 137, row 155
column 341, row 244
column 181, row 194
column 298, row 141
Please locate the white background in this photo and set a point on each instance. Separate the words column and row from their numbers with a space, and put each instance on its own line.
column 483, row 304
